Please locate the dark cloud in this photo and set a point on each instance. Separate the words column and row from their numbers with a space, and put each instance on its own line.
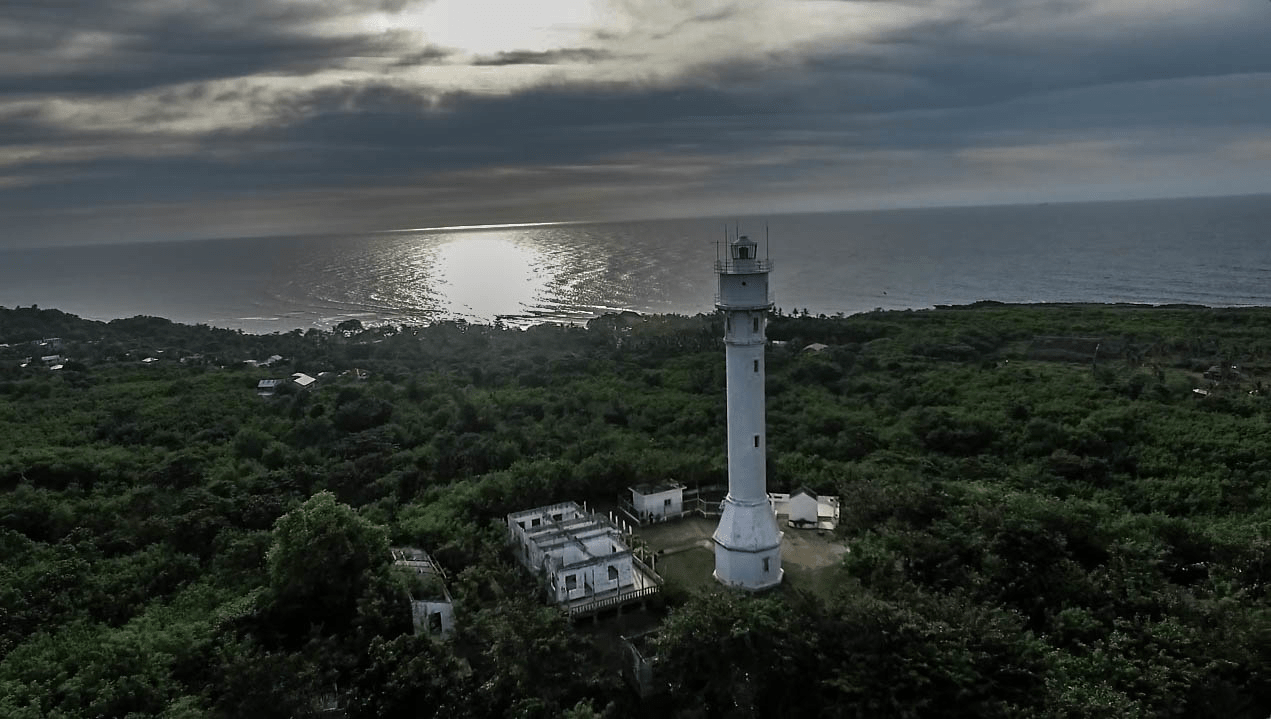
column 426, row 56
column 716, row 16
column 182, row 58
column 24, row 126
column 548, row 57
column 1001, row 51
column 147, row 46
column 381, row 134
column 906, row 110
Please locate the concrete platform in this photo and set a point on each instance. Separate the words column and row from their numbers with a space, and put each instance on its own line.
column 805, row 554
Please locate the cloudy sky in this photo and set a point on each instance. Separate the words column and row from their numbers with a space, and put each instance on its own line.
column 147, row 119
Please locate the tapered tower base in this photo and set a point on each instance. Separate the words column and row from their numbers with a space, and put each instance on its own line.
column 748, row 546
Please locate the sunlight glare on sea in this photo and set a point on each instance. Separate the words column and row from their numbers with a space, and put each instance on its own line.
column 490, row 274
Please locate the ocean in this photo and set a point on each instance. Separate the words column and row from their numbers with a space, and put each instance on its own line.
column 1210, row 251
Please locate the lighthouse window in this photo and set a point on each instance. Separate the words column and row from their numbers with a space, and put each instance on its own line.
column 765, row 564
column 756, row 365
column 743, row 253
column 571, row 581
column 756, row 440
column 756, row 324
column 613, row 573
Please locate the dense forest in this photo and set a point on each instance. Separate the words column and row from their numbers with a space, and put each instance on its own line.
column 1052, row 511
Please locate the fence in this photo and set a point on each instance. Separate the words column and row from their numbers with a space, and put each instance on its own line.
column 691, row 506
column 617, row 600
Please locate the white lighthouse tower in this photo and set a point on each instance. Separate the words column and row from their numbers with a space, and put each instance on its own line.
column 747, row 542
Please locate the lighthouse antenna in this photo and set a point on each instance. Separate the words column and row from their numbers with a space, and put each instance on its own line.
column 767, row 246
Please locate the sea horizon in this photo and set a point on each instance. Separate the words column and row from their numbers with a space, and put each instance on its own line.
column 721, row 218
column 1204, row 251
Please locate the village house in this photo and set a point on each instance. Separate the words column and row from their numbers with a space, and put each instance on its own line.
column 273, row 359
column 1221, row 372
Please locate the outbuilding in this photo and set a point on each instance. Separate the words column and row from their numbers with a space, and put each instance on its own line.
column 802, row 507
column 657, row 502
column 431, row 607
column 806, row 509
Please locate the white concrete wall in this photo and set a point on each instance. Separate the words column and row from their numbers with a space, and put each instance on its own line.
column 599, row 546
column 745, row 570
column 596, row 575
column 801, row 506
column 655, row 504
column 743, row 290
column 571, row 554
column 422, row 611
column 534, row 520
column 744, row 358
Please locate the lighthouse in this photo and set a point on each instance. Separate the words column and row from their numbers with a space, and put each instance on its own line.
column 747, row 542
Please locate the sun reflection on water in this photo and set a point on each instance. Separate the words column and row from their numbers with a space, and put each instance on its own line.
column 485, row 276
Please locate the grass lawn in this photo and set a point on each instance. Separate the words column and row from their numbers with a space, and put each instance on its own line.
column 689, row 570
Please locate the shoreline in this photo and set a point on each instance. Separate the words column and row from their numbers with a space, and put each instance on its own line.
column 519, row 322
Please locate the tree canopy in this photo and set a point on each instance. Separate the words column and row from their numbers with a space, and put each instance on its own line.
column 1050, row 511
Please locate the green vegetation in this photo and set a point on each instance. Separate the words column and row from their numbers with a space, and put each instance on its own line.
column 1045, row 519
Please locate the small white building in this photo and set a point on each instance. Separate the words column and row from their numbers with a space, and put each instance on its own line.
column 581, row 558
column 431, row 607
column 267, row 387
column 807, row 509
column 303, row 380
column 657, row 502
column 803, row 506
